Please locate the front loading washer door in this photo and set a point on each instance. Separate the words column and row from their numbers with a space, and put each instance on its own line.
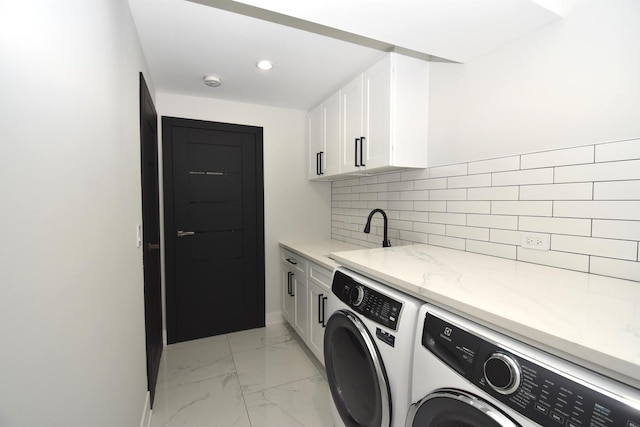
column 456, row 408
column 355, row 372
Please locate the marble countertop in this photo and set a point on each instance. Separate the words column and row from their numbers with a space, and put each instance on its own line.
column 588, row 319
column 318, row 251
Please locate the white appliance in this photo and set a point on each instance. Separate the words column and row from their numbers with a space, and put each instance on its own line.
column 368, row 344
column 469, row 376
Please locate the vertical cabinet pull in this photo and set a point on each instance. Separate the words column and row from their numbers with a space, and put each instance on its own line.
column 320, row 155
column 324, row 325
column 355, row 154
column 290, row 283
column 320, row 310
column 362, row 151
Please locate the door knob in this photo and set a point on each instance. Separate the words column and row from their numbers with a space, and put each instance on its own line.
column 185, row 233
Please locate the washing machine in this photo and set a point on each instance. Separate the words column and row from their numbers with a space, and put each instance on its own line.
column 466, row 375
column 368, row 345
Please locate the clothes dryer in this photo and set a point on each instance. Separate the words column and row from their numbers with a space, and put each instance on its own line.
column 466, row 375
column 368, row 346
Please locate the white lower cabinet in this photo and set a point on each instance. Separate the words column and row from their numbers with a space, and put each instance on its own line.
column 304, row 299
column 294, row 295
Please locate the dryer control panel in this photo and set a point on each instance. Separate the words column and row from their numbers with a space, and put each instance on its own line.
column 541, row 393
column 366, row 301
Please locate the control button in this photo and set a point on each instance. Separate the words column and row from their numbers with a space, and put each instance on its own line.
column 502, row 373
column 556, row 417
column 356, row 296
column 572, row 424
column 541, row 408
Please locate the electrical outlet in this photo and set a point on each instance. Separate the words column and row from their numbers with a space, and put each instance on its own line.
column 535, row 241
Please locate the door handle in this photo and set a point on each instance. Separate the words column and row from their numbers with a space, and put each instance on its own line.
column 292, row 261
column 320, row 313
column 362, row 151
column 320, row 156
column 324, row 325
column 289, row 284
column 355, row 154
column 153, row 246
column 185, row 233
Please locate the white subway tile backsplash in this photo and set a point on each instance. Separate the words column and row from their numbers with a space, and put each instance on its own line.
column 447, row 242
column 447, row 218
column 430, row 228
column 507, row 222
column 449, row 170
column 535, row 208
column 620, row 249
column 566, row 260
column 578, row 191
column 609, row 171
column 469, row 181
column 621, row 150
column 587, row 199
column 431, row 206
column 414, row 216
column 509, row 237
column 415, row 195
column 412, row 236
column 617, row 190
column 629, row 270
column 494, row 193
column 491, row 249
column 572, row 226
column 474, row 233
column 569, row 156
column 476, row 207
column 521, row 177
column 401, row 186
column 431, row 184
column 495, row 165
column 625, row 230
column 454, row 194
column 614, row 209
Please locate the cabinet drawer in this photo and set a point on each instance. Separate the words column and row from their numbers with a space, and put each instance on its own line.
column 296, row 263
column 320, row 275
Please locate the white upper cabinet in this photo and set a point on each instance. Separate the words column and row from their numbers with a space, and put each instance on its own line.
column 383, row 121
column 324, row 139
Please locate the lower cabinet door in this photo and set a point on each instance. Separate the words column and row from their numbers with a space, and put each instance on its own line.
column 317, row 320
column 301, row 322
column 288, row 298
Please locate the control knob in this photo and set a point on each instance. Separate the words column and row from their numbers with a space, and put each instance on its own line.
column 356, row 296
column 502, row 373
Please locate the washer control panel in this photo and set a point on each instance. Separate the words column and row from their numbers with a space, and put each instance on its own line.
column 366, row 301
column 542, row 395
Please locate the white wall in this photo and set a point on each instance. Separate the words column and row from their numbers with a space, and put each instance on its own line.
column 571, row 83
column 72, row 343
column 294, row 207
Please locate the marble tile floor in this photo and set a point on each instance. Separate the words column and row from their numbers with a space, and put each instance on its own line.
column 257, row 378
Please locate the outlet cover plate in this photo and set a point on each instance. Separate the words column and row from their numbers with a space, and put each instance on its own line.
column 536, row 241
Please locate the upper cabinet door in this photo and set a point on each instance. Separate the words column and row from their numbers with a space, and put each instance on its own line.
column 331, row 109
column 352, row 119
column 378, row 106
column 315, row 143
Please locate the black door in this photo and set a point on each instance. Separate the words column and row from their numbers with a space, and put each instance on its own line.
column 151, row 234
column 355, row 372
column 214, row 227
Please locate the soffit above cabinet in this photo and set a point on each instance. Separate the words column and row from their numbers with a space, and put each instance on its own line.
column 456, row 30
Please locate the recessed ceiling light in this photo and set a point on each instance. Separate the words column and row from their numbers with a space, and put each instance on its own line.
column 264, row 65
column 213, row 81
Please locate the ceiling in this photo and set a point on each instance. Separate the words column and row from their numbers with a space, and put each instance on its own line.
column 315, row 50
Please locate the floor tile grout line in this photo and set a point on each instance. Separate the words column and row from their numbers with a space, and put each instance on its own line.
column 235, row 368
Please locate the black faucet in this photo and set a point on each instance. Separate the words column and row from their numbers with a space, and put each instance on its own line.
column 367, row 227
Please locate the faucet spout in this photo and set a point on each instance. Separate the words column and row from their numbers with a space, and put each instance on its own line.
column 367, row 227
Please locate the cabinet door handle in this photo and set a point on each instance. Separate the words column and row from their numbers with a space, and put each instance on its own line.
column 320, row 313
column 362, row 151
column 321, row 168
column 355, row 153
column 289, row 283
column 317, row 163
column 292, row 261
column 324, row 325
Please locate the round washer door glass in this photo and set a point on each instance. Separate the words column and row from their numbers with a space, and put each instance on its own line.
column 454, row 408
column 355, row 372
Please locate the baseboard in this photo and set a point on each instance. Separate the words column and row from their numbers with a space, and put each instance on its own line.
column 145, row 421
column 274, row 317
